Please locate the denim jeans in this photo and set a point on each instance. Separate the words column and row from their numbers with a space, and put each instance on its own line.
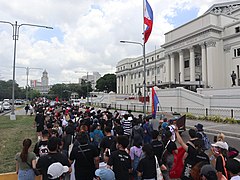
column 27, row 174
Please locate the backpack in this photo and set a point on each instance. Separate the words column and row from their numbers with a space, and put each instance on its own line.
column 206, row 141
column 149, row 129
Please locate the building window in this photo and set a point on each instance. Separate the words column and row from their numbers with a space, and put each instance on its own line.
column 135, row 75
column 148, row 83
column 152, row 58
column 158, row 70
column 186, row 64
column 123, row 67
column 237, row 52
column 159, row 81
column 237, row 29
column 157, row 56
column 131, row 88
column 152, row 71
column 131, row 65
column 131, row 76
column 134, row 64
column 147, row 60
column 139, row 63
column 148, row 72
column 153, row 82
column 139, row 74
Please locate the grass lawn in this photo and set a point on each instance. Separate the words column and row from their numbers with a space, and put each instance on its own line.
column 12, row 133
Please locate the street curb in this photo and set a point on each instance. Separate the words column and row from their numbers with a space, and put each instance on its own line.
column 226, row 133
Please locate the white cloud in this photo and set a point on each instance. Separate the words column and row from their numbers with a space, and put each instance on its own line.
column 88, row 37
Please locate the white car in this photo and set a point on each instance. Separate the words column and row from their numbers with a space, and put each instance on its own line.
column 6, row 106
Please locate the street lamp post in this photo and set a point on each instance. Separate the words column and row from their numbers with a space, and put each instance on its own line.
column 16, row 28
column 144, row 72
column 27, row 74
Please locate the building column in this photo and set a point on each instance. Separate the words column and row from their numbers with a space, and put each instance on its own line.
column 172, row 67
column 181, row 65
column 118, row 85
column 204, row 64
column 121, row 84
column 192, row 64
column 126, row 84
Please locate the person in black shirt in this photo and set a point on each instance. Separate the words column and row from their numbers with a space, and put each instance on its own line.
column 53, row 156
column 120, row 160
column 86, row 158
column 147, row 165
column 195, row 155
column 157, row 146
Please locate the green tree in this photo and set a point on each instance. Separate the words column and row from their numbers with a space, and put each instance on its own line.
column 6, row 90
column 107, row 83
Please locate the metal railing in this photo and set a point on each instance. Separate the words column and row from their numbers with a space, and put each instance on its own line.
column 222, row 112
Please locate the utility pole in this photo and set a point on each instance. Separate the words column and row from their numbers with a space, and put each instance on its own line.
column 27, row 74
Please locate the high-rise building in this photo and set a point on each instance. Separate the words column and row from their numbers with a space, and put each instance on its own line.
column 42, row 86
column 91, row 78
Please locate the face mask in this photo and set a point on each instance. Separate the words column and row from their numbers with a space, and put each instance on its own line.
column 216, row 150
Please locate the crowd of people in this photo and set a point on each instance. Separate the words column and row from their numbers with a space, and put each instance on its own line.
column 85, row 143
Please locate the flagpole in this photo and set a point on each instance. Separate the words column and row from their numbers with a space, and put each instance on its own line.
column 144, row 66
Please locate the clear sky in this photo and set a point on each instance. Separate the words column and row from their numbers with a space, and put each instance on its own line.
column 86, row 34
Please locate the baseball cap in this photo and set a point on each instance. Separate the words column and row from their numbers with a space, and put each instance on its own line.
column 221, row 144
column 56, row 170
column 199, row 127
column 105, row 174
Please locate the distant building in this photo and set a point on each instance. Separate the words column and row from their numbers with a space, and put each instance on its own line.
column 91, row 78
column 42, row 86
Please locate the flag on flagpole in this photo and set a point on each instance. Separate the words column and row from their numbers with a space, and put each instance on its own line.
column 155, row 102
column 148, row 20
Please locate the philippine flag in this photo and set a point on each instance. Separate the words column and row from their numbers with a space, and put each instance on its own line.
column 148, row 20
column 155, row 102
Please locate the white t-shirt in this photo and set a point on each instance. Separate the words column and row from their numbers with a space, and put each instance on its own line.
column 172, row 128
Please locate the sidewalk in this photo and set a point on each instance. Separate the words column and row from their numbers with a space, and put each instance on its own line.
column 213, row 127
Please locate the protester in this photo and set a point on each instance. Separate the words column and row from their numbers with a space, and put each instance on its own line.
column 195, row 155
column 25, row 162
column 148, row 129
column 220, row 150
column 53, row 156
column 104, row 174
column 170, row 148
column 136, row 154
column 40, row 148
column 86, row 158
column 233, row 167
column 157, row 146
column 208, row 172
column 120, row 160
column 147, row 165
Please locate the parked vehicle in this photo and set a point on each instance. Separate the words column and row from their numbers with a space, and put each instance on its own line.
column 18, row 102
column 6, row 106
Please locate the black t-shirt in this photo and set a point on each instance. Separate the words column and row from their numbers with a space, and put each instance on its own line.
column 121, row 162
column 45, row 161
column 193, row 158
column 219, row 165
column 39, row 119
column 157, row 149
column 84, row 165
column 41, row 148
column 171, row 147
column 107, row 142
column 147, row 166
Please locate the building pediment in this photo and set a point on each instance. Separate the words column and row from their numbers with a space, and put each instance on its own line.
column 226, row 8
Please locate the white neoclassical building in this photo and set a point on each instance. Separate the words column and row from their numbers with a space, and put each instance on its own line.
column 202, row 52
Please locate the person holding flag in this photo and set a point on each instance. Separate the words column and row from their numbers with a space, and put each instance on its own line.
column 155, row 122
